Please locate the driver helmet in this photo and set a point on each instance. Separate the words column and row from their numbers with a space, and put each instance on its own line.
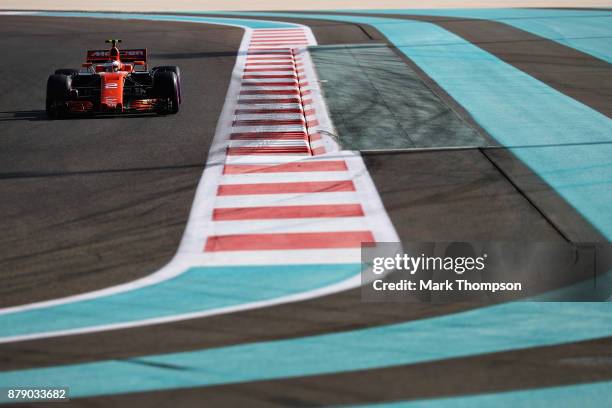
column 112, row 66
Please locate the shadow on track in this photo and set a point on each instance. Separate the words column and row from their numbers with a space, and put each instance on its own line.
column 32, row 115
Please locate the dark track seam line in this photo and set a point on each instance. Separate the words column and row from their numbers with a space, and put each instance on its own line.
column 365, row 31
column 523, row 194
column 143, row 361
column 493, row 163
column 25, row 175
column 497, row 147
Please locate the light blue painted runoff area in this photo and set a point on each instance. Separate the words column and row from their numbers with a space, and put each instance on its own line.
column 499, row 328
column 198, row 289
column 595, row 395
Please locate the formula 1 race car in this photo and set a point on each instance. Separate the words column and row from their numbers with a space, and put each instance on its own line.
column 114, row 81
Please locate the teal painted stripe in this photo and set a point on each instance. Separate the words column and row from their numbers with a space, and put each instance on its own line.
column 198, row 289
column 589, row 31
column 516, row 109
column 464, row 334
column 593, row 395
column 166, row 17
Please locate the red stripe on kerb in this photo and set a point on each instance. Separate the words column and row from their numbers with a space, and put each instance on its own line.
column 284, row 44
column 270, row 64
column 269, row 92
column 279, row 30
column 287, row 33
column 268, row 135
column 279, row 76
column 286, row 188
column 265, row 111
column 267, row 122
column 309, row 112
column 315, row 136
column 271, row 84
column 271, row 51
column 318, row 150
column 278, row 40
column 267, row 36
column 267, row 48
column 282, row 35
column 281, row 41
column 268, row 150
column 295, row 167
column 285, row 50
column 275, row 69
column 289, row 36
column 275, row 58
column 268, row 52
column 301, row 240
column 290, row 211
column 264, row 101
column 271, row 47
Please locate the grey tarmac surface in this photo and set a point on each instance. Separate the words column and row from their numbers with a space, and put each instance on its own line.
column 89, row 203
column 439, row 194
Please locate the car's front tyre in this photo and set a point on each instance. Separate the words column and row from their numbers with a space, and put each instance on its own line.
column 58, row 92
column 166, row 88
column 176, row 70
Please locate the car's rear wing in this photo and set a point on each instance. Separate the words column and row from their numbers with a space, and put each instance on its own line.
column 95, row 56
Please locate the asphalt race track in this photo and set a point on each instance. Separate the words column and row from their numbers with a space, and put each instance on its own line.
column 91, row 203
column 96, row 202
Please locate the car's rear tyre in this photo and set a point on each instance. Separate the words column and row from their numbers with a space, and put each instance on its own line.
column 67, row 71
column 176, row 70
column 166, row 88
column 58, row 92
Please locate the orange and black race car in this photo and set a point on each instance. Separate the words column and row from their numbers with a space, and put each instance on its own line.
column 114, row 81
